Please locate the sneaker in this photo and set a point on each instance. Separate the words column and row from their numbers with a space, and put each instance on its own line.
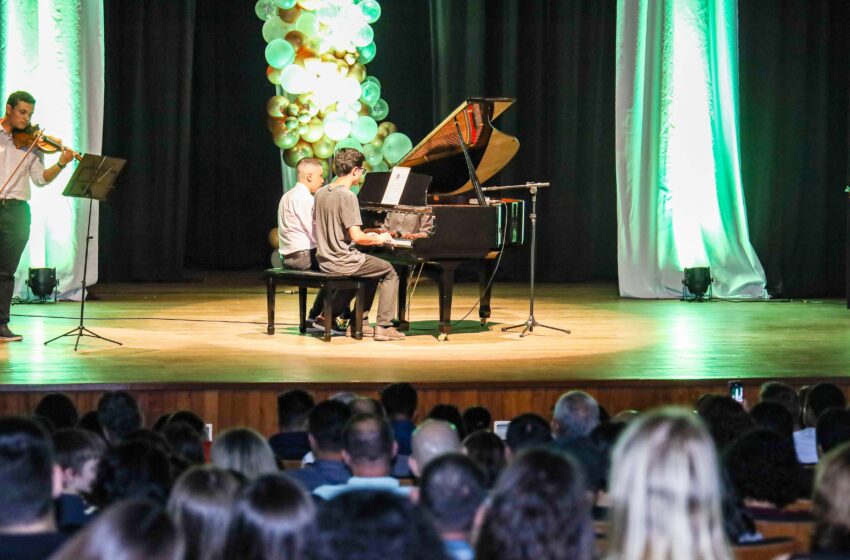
column 8, row 336
column 388, row 333
column 368, row 330
column 319, row 324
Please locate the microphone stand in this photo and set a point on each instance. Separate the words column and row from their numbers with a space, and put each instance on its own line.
column 531, row 322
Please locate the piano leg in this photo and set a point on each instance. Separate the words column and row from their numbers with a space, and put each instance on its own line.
column 485, row 271
column 445, row 284
column 403, row 272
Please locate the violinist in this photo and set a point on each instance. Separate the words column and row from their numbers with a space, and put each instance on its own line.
column 19, row 165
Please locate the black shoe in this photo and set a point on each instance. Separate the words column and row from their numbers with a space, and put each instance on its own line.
column 8, row 336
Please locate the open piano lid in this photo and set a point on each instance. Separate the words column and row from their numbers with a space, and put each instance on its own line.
column 439, row 154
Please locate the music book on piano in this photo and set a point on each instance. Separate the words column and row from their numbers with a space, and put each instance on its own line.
column 395, row 190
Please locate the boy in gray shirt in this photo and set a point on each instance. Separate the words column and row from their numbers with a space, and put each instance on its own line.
column 338, row 232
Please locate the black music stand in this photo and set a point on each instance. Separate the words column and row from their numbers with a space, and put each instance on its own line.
column 93, row 179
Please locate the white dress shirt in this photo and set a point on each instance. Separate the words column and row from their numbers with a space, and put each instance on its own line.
column 32, row 169
column 295, row 221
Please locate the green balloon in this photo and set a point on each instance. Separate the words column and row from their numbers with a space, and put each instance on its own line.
column 364, row 129
column 286, row 4
column 372, row 79
column 265, row 9
column 348, row 143
column 373, row 155
column 381, row 167
column 395, row 147
column 307, row 24
column 371, row 10
column 287, row 139
column 370, row 92
column 379, row 110
column 367, row 53
column 274, row 28
column 362, row 36
column 279, row 53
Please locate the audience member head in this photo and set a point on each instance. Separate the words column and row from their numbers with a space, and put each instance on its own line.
column 271, row 520
column 430, row 440
column 763, row 468
column 665, row 491
column 90, row 422
column 78, row 453
column 119, row 414
column 833, row 429
column 366, row 405
column 368, row 446
column 28, row 479
column 200, row 505
column 576, row 414
column 830, row 506
column 451, row 414
column 399, row 401
column 131, row 530
column 821, row 398
column 773, row 416
column 476, row 418
column 133, row 469
column 325, row 426
column 374, row 525
column 292, row 409
column 725, row 419
column 59, row 409
column 538, row 509
column 344, row 397
column 785, row 395
column 527, row 430
column 451, row 489
column 244, row 451
column 488, row 451
column 184, row 441
column 190, row 418
column 597, row 466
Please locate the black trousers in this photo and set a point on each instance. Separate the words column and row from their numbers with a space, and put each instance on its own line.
column 14, row 234
column 306, row 261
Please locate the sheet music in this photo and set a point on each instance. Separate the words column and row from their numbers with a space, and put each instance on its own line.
column 395, row 186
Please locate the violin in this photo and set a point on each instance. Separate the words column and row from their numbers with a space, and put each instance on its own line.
column 32, row 134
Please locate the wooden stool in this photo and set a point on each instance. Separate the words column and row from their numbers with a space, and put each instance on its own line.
column 315, row 279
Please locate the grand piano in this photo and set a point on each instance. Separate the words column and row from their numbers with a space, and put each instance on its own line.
column 444, row 208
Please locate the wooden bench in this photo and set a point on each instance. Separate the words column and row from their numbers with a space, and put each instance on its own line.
column 314, row 279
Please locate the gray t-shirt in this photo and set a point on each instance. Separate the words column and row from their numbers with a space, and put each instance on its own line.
column 335, row 210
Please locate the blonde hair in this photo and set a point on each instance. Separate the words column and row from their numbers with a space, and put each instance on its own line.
column 665, row 491
column 244, row 451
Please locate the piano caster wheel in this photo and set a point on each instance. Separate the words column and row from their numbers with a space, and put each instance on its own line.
column 442, row 337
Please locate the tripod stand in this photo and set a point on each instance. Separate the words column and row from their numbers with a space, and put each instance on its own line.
column 531, row 322
column 91, row 181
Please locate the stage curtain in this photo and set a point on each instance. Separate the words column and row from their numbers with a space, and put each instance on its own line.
column 795, row 83
column 680, row 197
column 557, row 59
column 54, row 50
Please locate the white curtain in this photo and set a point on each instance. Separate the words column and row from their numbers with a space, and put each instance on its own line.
column 54, row 49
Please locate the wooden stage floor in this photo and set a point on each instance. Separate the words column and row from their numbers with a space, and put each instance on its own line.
column 214, row 332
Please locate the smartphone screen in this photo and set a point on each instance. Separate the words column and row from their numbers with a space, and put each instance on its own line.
column 736, row 390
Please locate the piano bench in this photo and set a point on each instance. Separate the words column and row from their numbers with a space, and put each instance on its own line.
column 304, row 279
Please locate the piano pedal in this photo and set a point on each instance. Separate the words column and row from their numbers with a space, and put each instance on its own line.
column 442, row 337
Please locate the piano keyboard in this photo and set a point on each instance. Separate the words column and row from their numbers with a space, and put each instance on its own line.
column 401, row 243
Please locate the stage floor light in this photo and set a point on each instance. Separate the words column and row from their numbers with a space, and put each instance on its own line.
column 42, row 283
column 696, row 282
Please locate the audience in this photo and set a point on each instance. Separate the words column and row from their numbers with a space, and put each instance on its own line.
column 59, row 409
column 430, row 440
column 831, row 508
column 527, row 430
column 538, row 510
column 399, row 401
column 819, row 399
column 119, row 415
column 784, row 395
column 476, row 418
column 245, row 451
column 368, row 450
column 374, row 525
column 366, row 405
column 134, row 469
column 201, row 504
column 488, row 451
column 271, row 520
column 451, row 414
column 773, row 416
column 833, row 429
column 185, row 441
column 452, row 488
column 725, row 419
column 576, row 414
column 325, row 426
column 29, row 482
column 665, row 491
column 131, row 530
column 78, row 453
column 293, row 407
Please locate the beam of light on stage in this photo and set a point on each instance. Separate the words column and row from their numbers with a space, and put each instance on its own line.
column 317, row 54
column 53, row 50
column 680, row 192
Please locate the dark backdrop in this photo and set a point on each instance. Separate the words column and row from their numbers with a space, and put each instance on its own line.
column 186, row 92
